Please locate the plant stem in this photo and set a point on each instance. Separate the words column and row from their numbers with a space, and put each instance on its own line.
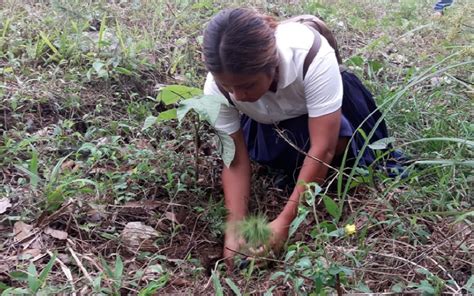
column 197, row 125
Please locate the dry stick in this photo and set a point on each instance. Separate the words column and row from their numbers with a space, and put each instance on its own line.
column 81, row 267
column 192, row 235
column 281, row 134
column 406, row 261
column 196, row 149
column 66, row 271
column 432, row 260
column 441, row 244
column 446, row 272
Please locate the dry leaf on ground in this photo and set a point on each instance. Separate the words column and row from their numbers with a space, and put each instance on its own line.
column 138, row 236
column 21, row 230
column 29, row 254
column 172, row 217
column 4, row 205
column 59, row 234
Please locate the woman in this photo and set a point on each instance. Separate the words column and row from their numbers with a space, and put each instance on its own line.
column 440, row 6
column 260, row 66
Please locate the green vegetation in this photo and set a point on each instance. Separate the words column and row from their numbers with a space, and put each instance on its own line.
column 88, row 145
column 255, row 231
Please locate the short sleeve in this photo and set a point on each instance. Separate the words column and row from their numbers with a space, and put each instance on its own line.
column 323, row 86
column 228, row 120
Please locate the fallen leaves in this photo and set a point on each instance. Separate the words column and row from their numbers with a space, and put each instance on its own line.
column 21, row 231
column 4, row 205
column 58, row 234
column 138, row 236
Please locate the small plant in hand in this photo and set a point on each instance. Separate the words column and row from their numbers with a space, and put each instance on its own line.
column 256, row 233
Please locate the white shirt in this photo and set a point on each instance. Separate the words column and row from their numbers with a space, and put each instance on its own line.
column 320, row 93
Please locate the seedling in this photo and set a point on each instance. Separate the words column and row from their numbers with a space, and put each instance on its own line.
column 255, row 231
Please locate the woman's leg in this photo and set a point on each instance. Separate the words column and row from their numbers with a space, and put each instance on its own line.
column 267, row 147
column 442, row 4
column 360, row 109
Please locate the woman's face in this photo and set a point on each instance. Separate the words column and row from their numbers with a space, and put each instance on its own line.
column 245, row 87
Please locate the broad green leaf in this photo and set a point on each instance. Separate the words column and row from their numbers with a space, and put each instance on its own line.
column 331, row 207
column 297, row 222
column 356, row 61
column 426, row 287
column 335, row 269
column 54, row 198
column 16, row 291
column 154, row 286
column 382, row 143
column 464, row 216
column 149, row 121
column 48, row 42
column 109, row 273
column 289, row 254
column 18, row 275
column 277, row 275
column 336, row 233
column 207, row 107
column 233, row 287
column 375, row 65
column 118, row 268
column 398, row 287
column 57, row 168
column 98, row 65
column 123, row 71
column 167, row 115
column 363, row 288
column 103, row 26
column 34, row 178
column 269, row 292
column 304, row 263
column 33, row 167
column 173, row 93
column 226, row 148
column 219, row 291
column 3, row 286
column 469, row 286
column 46, row 270
column 33, row 282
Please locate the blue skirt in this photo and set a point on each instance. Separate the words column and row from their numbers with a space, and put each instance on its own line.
column 266, row 147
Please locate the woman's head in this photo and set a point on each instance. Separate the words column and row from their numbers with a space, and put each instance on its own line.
column 239, row 43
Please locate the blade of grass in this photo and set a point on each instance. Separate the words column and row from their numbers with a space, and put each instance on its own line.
column 50, row 45
column 390, row 102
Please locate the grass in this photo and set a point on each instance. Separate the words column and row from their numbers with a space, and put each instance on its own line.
column 78, row 80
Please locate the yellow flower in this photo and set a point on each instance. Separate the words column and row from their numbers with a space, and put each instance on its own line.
column 350, row 229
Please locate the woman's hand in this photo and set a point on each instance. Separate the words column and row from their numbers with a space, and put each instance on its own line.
column 232, row 244
column 279, row 235
column 279, row 227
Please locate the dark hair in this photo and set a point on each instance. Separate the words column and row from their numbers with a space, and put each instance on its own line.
column 240, row 41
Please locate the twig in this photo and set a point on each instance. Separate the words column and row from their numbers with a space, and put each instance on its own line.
column 446, row 272
column 406, row 261
column 437, row 246
column 284, row 137
column 81, row 267
column 66, row 271
column 431, row 259
column 197, row 145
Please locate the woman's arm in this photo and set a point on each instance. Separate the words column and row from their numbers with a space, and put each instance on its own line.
column 324, row 136
column 236, row 183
